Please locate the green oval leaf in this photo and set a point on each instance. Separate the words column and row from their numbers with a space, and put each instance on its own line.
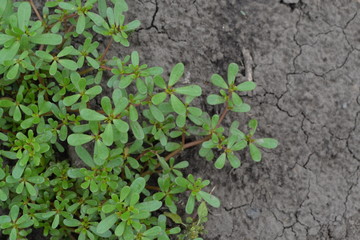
column 70, row 100
column 9, row 53
column 13, row 234
column 56, row 221
column 106, row 105
column 137, row 130
column 23, row 14
column 133, row 114
column 138, row 185
column 67, row 6
column 220, row 161
column 153, row 232
column 47, row 39
column 158, row 98
column 120, row 229
column 176, row 73
column 108, row 135
column 97, row 19
column 44, row 55
column 176, row 218
column 253, row 123
column 106, row 223
column 91, row 115
column 121, row 125
column 246, row 86
column 191, row 90
column 159, row 81
column 157, row 114
column 267, row 142
column 92, row 62
column 80, row 26
column 75, row 173
column 4, row 219
column 190, row 204
column 183, row 182
column 13, row 71
column 234, row 160
column 36, row 179
column 149, row 205
column 218, row 81
column 255, row 153
column 135, row 58
column 69, row 64
column 53, row 68
column 101, row 152
column 233, row 70
column 94, row 91
column 177, row 105
column 6, row 103
column 30, row 188
column 79, row 139
column 210, row 199
column 125, row 81
column 133, row 25
column 244, row 107
column 108, row 208
column 214, row 99
column 236, row 99
column 85, row 156
column 72, row 222
column 202, row 210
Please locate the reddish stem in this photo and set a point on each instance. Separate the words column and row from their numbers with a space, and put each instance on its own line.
column 6, row 131
column 153, row 188
column 64, row 40
column 85, row 71
column 62, row 20
column 106, row 50
column 36, row 11
column 42, row 82
column 106, row 67
column 222, row 116
column 145, row 152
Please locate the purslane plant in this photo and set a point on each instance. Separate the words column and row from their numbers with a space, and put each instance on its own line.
column 130, row 182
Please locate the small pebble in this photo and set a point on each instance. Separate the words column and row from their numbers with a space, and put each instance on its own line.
column 253, row 213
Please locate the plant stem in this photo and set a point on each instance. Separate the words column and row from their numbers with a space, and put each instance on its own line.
column 36, row 11
column 145, row 152
column 153, row 188
column 85, row 71
column 106, row 50
column 106, row 68
column 223, row 114
column 64, row 40
column 41, row 81
column 62, row 20
column 6, row 131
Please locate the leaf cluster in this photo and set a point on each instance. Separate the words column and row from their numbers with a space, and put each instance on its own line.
column 129, row 183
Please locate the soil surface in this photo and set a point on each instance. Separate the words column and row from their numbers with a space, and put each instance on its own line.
column 306, row 57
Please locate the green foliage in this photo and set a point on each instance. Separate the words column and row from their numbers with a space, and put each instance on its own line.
column 129, row 182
